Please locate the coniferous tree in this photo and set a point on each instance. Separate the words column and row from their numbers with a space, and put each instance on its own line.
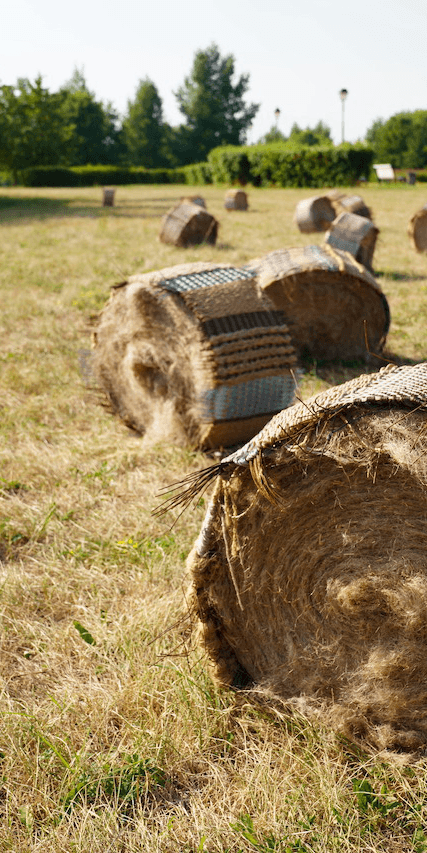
column 143, row 127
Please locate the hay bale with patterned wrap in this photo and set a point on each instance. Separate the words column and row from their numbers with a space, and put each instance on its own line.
column 355, row 234
column 194, row 354
column 349, row 204
column 314, row 214
column 310, row 570
column 417, row 230
column 188, row 224
column 335, row 308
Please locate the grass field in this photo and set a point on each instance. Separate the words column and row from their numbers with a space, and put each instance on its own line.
column 113, row 736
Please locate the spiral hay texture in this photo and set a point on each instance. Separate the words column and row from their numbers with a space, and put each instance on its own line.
column 194, row 354
column 236, row 200
column 355, row 234
column 310, row 571
column 417, row 230
column 314, row 214
column 188, row 224
column 334, row 307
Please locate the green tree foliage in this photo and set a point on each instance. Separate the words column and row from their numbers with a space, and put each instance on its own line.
column 272, row 135
column 95, row 137
column 143, row 128
column 33, row 131
column 401, row 140
column 214, row 106
column 320, row 134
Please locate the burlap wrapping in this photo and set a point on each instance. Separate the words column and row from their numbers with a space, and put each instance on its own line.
column 334, row 307
column 417, row 230
column 236, row 200
column 195, row 354
column 188, row 224
column 310, row 570
column 314, row 214
column 355, row 234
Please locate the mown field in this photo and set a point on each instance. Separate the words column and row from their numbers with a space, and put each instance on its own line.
column 113, row 737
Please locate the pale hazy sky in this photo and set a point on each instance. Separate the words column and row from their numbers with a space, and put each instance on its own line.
column 298, row 54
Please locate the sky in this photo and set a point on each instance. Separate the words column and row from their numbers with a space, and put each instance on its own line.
column 298, row 55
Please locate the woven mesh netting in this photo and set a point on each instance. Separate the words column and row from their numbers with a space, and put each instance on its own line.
column 334, row 306
column 194, row 354
column 310, row 571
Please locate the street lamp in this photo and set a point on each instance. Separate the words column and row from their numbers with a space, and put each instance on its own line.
column 343, row 95
column 277, row 115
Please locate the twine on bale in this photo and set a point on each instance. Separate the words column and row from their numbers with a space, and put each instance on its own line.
column 314, row 214
column 309, row 575
column 188, row 224
column 194, row 354
column 334, row 307
column 417, row 230
column 355, row 234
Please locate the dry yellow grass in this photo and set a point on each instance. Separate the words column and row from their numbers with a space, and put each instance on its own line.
column 112, row 734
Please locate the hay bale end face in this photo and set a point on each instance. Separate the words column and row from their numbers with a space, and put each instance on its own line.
column 355, row 234
column 236, row 200
column 194, row 354
column 314, row 214
column 310, row 570
column 334, row 307
column 417, row 230
column 349, row 204
column 189, row 224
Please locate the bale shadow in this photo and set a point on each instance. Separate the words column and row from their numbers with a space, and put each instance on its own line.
column 14, row 210
column 399, row 276
column 337, row 372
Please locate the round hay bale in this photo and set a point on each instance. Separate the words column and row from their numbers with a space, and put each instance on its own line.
column 355, row 234
column 309, row 576
column 236, row 200
column 417, row 230
column 349, row 204
column 108, row 197
column 314, row 214
column 334, row 307
column 193, row 199
column 189, row 224
column 194, row 354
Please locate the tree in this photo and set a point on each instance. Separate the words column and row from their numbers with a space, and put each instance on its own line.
column 320, row 134
column 95, row 138
column 213, row 106
column 32, row 129
column 273, row 135
column 401, row 140
column 143, row 127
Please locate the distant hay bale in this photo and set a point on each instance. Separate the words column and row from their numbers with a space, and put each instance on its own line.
column 334, row 307
column 236, row 200
column 194, row 354
column 355, row 234
column 349, row 204
column 314, row 214
column 417, row 230
column 108, row 197
column 309, row 576
column 189, row 224
column 193, row 199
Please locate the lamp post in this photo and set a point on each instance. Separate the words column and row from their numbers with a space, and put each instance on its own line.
column 343, row 95
column 277, row 115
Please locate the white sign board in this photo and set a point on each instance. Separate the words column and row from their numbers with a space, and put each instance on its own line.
column 385, row 171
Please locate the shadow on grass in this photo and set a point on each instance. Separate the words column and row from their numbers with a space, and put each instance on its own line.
column 13, row 210
column 337, row 372
column 399, row 276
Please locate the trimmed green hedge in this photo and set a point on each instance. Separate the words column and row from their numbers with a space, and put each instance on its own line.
column 89, row 176
column 279, row 164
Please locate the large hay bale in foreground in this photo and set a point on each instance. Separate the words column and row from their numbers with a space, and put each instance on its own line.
column 236, row 200
column 314, row 214
column 335, row 308
column 195, row 354
column 310, row 570
column 417, row 230
column 355, row 234
column 189, row 224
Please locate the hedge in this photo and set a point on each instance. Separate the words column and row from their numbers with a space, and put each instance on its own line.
column 89, row 176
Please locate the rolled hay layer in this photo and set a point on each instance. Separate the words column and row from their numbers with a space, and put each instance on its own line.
column 309, row 576
column 417, row 230
column 355, row 234
column 334, row 307
column 349, row 204
column 236, row 200
column 314, row 214
column 189, row 224
column 194, row 354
